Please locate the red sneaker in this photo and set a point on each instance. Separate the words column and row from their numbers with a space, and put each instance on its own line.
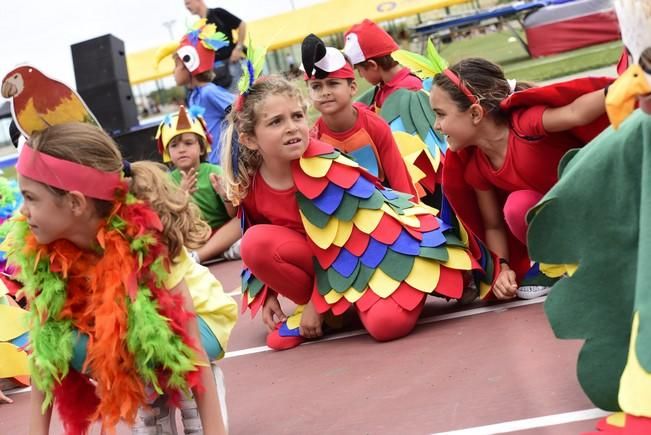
column 622, row 424
column 276, row 341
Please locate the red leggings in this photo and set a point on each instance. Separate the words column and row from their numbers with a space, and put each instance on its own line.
column 517, row 205
column 282, row 259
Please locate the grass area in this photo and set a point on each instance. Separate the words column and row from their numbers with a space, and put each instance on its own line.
column 503, row 49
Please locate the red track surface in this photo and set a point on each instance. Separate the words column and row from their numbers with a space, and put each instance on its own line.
column 478, row 370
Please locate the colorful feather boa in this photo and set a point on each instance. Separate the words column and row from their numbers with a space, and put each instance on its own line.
column 136, row 328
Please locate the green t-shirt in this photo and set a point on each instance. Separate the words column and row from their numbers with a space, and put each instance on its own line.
column 211, row 205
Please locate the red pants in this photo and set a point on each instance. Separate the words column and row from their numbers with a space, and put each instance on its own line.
column 517, row 205
column 282, row 259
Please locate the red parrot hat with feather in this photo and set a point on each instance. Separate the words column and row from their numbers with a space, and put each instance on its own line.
column 197, row 47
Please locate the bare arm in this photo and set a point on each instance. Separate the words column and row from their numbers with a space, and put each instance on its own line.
column 237, row 52
column 39, row 423
column 241, row 33
column 505, row 284
column 207, row 400
column 581, row 111
column 223, row 239
column 494, row 224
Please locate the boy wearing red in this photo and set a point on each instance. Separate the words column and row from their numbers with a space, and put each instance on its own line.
column 369, row 48
column 351, row 128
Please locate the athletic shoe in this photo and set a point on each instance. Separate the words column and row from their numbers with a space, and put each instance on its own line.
column 155, row 420
column 532, row 291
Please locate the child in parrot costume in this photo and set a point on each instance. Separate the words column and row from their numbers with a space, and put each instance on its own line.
column 352, row 129
column 119, row 314
column 322, row 231
column 194, row 58
column 398, row 96
column 593, row 229
column 505, row 140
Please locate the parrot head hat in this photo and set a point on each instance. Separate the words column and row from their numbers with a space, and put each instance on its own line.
column 320, row 61
column 185, row 121
column 197, row 47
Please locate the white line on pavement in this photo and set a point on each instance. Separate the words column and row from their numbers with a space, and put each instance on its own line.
column 426, row 320
column 530, row 423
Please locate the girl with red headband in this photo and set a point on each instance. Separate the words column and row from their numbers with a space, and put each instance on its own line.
column 505, row 142
column 114, row 296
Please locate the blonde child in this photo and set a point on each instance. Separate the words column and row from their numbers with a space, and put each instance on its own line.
column 113, row 293
column 184, row 142
column 288, row 186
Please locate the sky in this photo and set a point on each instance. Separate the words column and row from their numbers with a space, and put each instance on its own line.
column 40, row 32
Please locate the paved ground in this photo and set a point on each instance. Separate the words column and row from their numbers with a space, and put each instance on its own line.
column 463, row 367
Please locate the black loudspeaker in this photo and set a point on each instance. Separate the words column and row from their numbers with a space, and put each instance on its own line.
column 99, row 61
column 139, row 143
column 103, row 82
column 113, row 104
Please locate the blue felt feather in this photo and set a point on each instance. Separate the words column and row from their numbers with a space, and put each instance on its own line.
column 330, row 199
column 433, row 239
column 406, row 244
column 362, row 188
column 374, row 254
column 345, row 263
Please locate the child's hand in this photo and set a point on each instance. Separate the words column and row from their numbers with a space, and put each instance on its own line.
column 311, row 322
column 189, row 181
column 270, row 309
column 4, row 398
column 505, row 284
column 217, row 185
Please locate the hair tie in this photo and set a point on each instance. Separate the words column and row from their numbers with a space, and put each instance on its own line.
column 512, row 83
column 126, row 168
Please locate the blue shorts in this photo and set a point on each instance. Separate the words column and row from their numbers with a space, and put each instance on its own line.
column 208, row 341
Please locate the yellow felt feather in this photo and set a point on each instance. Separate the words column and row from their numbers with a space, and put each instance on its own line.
column 424, row 274
column 382, row 284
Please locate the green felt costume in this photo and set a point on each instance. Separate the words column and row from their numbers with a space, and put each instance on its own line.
column 598, row 216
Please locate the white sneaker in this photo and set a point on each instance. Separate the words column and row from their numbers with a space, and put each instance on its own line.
column 157, row 420
column 532, row 291
column 233, row 253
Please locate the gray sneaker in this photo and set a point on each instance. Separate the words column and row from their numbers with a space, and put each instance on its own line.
column 155, row 420
column 190, row 416
column 532, row 291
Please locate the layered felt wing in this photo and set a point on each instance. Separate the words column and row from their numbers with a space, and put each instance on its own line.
column 370, row 242
column 412, row 121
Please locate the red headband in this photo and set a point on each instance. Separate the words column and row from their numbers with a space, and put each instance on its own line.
column 345, row 72
column 67, row 175
column 460, row 85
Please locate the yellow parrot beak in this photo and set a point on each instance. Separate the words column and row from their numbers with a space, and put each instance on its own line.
column 620, row 101
column 166, row 50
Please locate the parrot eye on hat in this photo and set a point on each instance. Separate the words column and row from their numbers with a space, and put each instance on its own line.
column 188, row 54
